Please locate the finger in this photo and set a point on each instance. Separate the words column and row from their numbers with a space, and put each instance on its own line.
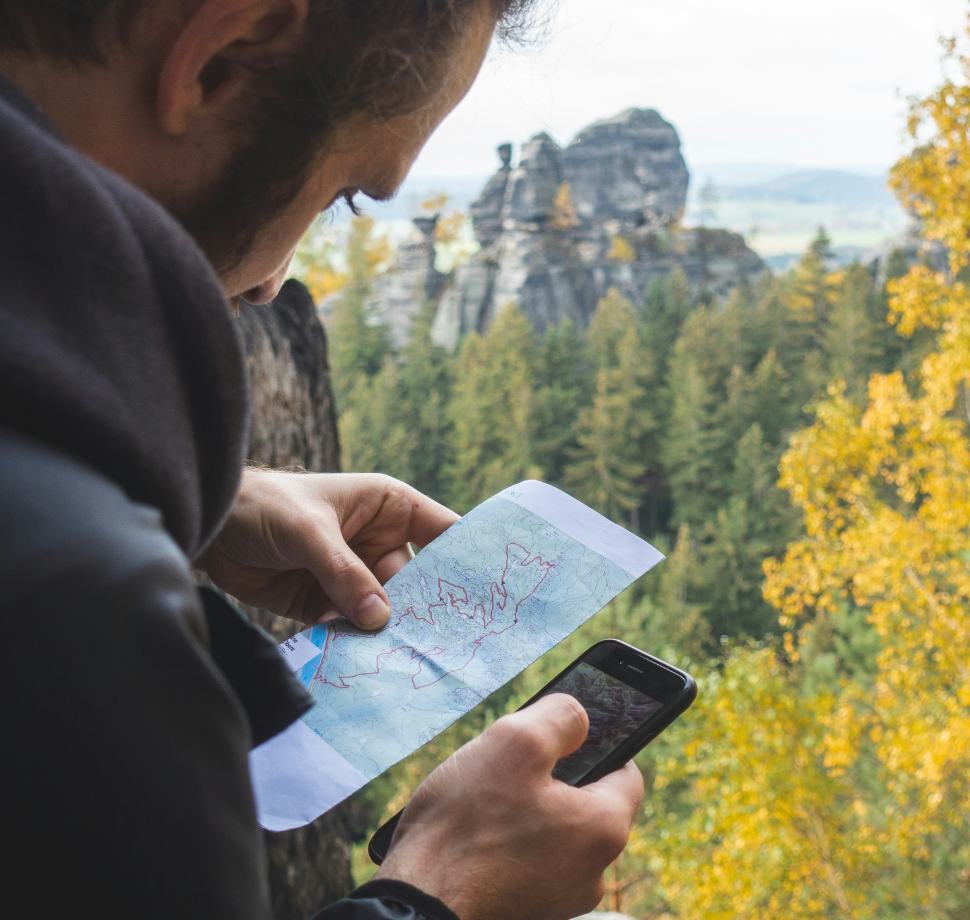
column 323, row 612
column 391, row 563
column 552, row 727
column 428, row 520
column 351, row 586
column 620, row 792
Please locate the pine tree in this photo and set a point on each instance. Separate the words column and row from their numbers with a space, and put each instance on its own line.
column 692, row 446
column 395, row 422
column 811, row 287
column 770, row 398
column 607, row 466
column 682, row 624
column 849, row 336
column 422, row 399
column 492, row 411
column 373, row 435
column 563, row 387
column 668, row 303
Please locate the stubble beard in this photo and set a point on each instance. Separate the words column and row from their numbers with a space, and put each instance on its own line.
column 261, row 179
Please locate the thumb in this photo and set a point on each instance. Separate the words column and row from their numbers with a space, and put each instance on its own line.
column 351, row 586
column 552, row 727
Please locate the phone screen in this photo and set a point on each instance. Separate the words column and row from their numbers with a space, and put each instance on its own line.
column 615, row 709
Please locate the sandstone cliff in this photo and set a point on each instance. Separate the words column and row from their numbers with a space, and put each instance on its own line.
column 413, row 280
column 566, row 224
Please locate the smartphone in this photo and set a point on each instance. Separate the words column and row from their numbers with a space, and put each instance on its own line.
column 630, row 697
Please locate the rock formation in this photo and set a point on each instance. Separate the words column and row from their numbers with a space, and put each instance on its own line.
column 412, row 280
column 293, row 424
column 486, row 211
column 565, row 225
column 627, row 168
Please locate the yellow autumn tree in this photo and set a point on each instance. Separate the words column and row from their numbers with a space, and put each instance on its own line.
column 772, row 833
column 621, row 250
column 317, row 262
column 828, row 775
column 562, row 215
column 885, row 490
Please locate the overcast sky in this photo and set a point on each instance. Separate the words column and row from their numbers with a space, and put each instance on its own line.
column 809, row 82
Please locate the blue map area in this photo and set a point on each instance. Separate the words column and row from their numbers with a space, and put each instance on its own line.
column 476, row 607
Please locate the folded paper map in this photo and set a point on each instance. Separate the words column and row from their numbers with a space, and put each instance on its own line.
column 477, row 606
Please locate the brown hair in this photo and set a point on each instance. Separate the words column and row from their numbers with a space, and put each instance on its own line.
column 380, row 58
column 355, row 53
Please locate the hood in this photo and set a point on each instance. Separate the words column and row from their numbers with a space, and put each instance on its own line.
column 117, row 345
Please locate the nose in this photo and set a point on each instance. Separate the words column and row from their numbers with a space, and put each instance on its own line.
column 267, row 291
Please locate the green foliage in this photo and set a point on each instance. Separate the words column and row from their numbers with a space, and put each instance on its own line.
column 395, row 421
column 359, row 346
column 607, row 466
column 670, row 417
column 492, row 411
column 563, row 378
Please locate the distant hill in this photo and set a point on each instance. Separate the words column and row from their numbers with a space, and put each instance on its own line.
column 816, row 186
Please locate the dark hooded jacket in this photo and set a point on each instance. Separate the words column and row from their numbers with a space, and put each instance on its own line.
column 129, row 700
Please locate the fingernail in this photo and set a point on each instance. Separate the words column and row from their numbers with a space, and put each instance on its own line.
column 373, row 612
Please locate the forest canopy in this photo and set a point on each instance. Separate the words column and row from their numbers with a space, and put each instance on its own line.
column 800, row 452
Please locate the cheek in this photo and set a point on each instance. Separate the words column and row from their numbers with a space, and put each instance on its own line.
column 269, row 259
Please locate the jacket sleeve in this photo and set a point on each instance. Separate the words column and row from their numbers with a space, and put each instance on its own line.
column 124, row 779
column 386, row 899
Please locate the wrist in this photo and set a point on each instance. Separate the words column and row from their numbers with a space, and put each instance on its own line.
column 429, row 884
column 398, row 892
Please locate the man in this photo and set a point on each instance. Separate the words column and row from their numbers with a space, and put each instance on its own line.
column 129, row 698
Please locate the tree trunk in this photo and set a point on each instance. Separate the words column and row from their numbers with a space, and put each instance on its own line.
column 294, row 426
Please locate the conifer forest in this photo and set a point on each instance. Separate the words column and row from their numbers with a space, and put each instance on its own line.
column 799, row 450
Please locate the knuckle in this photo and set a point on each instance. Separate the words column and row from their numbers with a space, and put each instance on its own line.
column 401, row 493
column 614, row 832
column 526, row 743
column 391, row 487
column 592, row 897
column 342, row 564
column 305, row 522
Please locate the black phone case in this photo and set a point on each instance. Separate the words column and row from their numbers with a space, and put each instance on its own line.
column 380, row 843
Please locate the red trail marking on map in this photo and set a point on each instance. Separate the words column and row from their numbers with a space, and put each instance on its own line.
column 451, row 598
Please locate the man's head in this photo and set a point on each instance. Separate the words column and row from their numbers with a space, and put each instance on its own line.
column 246, row 118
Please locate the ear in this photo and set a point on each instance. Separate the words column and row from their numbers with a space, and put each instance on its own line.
column 208, row 67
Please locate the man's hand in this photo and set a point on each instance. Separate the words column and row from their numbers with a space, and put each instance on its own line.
column 315, row 546
column 495, row 837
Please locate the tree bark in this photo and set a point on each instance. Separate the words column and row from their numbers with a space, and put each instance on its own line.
column 293, row 425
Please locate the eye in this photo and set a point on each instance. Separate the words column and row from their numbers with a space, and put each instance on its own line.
column 348, row 197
